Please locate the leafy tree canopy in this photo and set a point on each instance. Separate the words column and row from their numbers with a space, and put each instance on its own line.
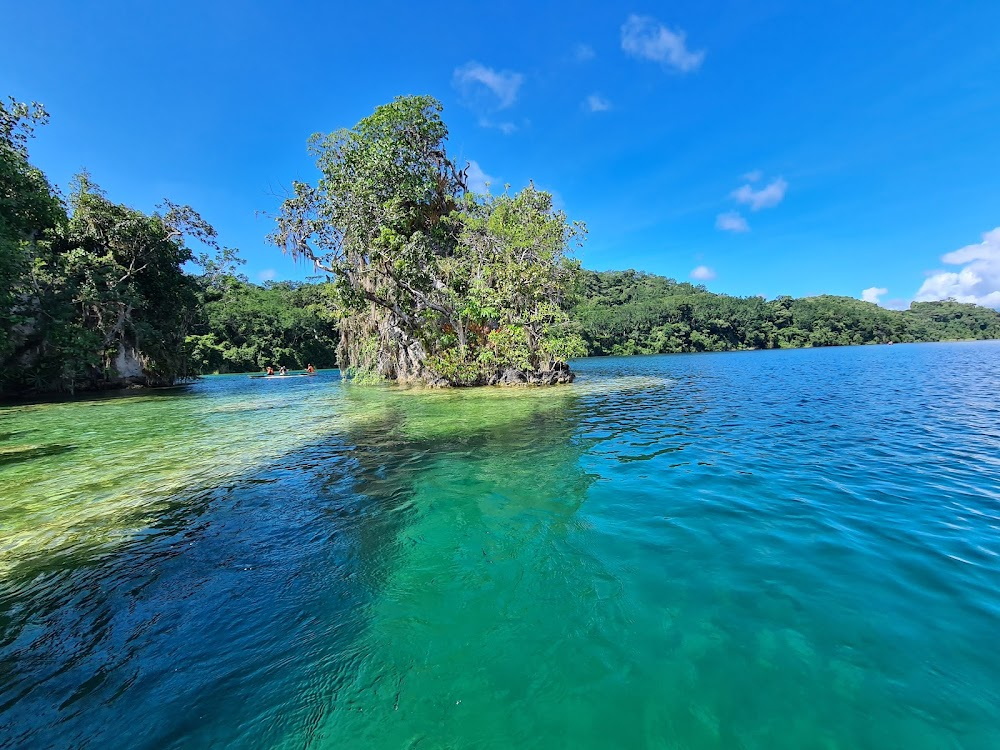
column 243, row 327
column 432, row 282
column 627, row 312
column 91, row 292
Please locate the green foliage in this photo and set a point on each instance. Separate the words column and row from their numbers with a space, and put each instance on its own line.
column 456, row 366
column 29, row 212
column 106, row 282
column 424, row 268
column 243, row 327
column 951, row 320
column 92, row 286
column 89, row 287
column 625, row 312
column 507, row 345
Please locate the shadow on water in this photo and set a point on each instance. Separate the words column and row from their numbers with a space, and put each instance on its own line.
column 259, row 612
column 5, row 436
column 490, row 558
column 167, row 391
column 19, row 453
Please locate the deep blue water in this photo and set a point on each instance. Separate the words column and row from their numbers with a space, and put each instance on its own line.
column 788, row 549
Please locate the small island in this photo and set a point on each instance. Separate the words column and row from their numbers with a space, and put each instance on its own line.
column 434, row 283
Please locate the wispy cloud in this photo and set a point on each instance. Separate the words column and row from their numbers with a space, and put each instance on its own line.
column 873, row 293
column 645, row 37
column 765, row 197
column 268, row 274
column 702, row 273
column 731, row 221
column 977, row 281
column 477, row 179
column 475, row 81
column 754, row 175
column 584, row 53
column 504, row 127
column 597, row 103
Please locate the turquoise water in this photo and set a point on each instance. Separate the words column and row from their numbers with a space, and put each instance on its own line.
column 791, row 549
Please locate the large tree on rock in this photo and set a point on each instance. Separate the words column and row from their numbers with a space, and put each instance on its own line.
column 433, row 282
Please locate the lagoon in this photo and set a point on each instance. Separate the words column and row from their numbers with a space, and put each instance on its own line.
column 778, row 549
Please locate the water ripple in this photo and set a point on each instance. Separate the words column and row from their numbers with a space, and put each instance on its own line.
column 750, row 550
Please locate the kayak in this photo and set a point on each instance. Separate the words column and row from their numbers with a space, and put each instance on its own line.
column 279, row 377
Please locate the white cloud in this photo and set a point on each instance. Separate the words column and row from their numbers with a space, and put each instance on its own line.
column 988, row 250
column 702, row 273
column 597, row 103
column 753, row 176
column 584, row 53
column 477, row 179
column 504, row 127
column 647, row 38
column 979, row 279
column 765, row 197
column 474, row 80
column 731, row 221
column 873, row 293
column 268, row 274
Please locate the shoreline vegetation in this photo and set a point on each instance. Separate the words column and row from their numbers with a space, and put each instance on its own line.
column 422, row 281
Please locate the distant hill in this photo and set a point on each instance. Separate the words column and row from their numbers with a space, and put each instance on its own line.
column 630, row 312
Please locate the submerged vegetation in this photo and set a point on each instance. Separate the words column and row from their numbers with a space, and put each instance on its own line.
column 424, row 280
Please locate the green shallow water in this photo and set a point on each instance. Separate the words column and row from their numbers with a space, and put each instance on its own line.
column 756, row 550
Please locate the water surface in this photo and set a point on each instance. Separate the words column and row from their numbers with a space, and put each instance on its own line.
column 792, row 549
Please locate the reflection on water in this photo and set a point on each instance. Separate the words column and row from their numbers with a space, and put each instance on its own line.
column 762, row 550
column 490, row 555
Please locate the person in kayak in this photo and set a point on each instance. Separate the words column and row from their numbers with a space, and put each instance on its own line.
column 310, row 369
column 270, row 370
column 282, row 370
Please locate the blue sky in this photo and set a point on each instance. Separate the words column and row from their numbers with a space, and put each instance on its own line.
column 765, row 147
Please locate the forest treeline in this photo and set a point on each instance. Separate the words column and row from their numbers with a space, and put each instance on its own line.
column 243, row 327
column 629, row 312
column 96, row 294
column 617, row 312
